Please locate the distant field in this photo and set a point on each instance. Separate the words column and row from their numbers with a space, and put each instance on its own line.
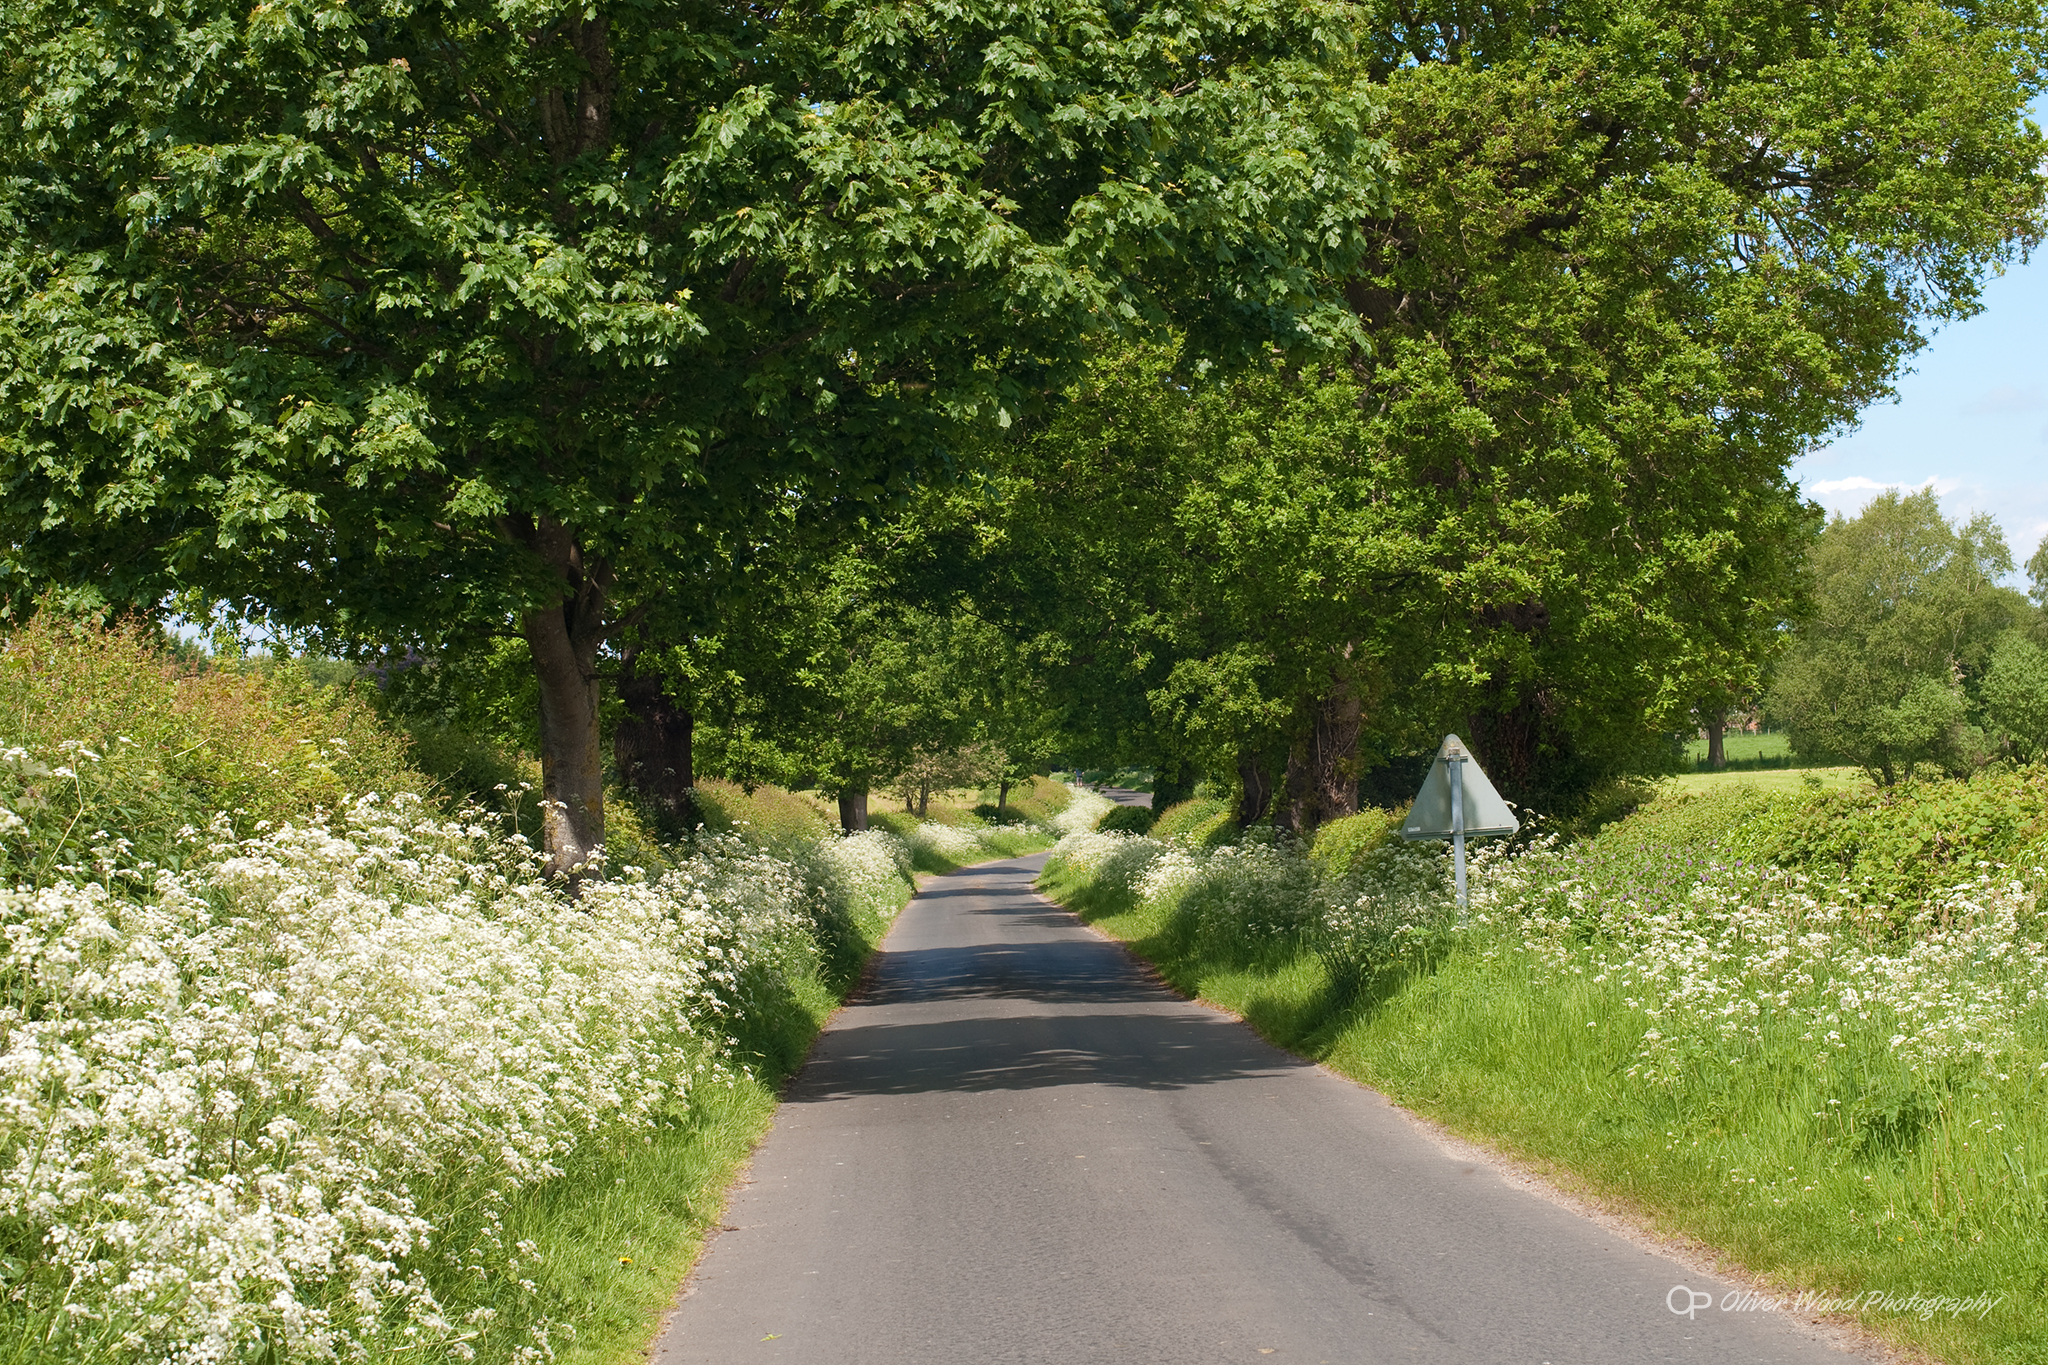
column 1756, row 760
column 1770, row 779
column 1744, row 748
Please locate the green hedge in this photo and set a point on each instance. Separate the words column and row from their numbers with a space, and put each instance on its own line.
column 1342, row 844
column 1183, row 820
column 1901, row 843
column 1127, row 819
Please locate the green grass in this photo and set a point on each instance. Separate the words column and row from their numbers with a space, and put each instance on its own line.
column 619, row 1232
column 1498, row 1049
column 996, row 841
column 1743, row 747
column 1771, row 779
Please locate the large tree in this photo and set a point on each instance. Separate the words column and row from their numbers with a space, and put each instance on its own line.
column 1634, row 261
column 1908, row 609
column 1639, row 258
column 409, row 320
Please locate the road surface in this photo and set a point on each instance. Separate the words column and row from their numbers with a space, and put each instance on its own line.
column 1014, row 1146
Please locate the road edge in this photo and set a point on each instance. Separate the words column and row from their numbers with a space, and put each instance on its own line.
column 1558, row 1186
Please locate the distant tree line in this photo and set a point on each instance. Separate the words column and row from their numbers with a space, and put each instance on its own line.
column 1913, row 653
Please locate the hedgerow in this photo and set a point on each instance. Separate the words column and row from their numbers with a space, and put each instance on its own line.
column 279, row 1061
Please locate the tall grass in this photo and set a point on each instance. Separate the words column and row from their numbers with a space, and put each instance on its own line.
column 1842, row 1090
column 176, row 744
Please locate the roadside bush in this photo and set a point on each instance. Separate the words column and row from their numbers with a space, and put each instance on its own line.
column 1040, row 799
column 1218, row 831
column 1254, row 897
column 1898, row 846
column 1113, row 863
column 1344, row 844
column 296, row 1063
column 937, row 847
column 461, row 764
column 284, row 1093
column 949, row 845
column 1182, row 820
column 768, row 814
column 1735, row 819
column 181, row 744
column 1903, row 845
column 1082, row 810
column 1610, row 801
column 1126, row 819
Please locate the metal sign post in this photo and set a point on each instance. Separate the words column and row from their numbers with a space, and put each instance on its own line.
column 1457, row 765
column 1456, row 802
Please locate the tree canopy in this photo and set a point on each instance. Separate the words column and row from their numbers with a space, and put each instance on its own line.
column 1368, row 369
column 416, row 319
column 1634, row 261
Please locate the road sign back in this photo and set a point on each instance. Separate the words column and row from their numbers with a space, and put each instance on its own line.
column 1485, row 811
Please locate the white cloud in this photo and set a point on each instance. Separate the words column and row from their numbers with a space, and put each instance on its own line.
column 1831, row 489
column 1858, row 484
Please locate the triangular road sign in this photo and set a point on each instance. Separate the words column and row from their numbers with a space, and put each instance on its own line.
column 1485, row 811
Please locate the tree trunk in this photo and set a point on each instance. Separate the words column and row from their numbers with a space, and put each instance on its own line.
column 853, row 808
column 1257, row 783
column 1322, row 768
column 1172, row 783
column 1504, row 743
column 1716, row 728
column 651, row 749
column 563, row 639
column 924, row 797
column 1002, row 797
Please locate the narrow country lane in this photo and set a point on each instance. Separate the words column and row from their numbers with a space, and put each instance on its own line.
column 1015, row 1147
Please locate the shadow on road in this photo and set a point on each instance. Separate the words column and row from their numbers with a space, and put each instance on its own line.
column 1030, row 1001
column 1142, row 1051
column 1054, row 973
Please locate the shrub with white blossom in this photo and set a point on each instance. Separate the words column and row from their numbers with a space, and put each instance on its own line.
column 277, row 1095
column 953, row 843
column 1721, row 962
column 1081, row 812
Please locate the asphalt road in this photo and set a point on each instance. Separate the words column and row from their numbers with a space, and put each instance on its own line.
column 1015, row 1147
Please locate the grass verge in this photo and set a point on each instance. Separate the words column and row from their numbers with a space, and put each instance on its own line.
column 1534, row 1062
column 619, row 1233
column 1770, row 779
column 940, row 848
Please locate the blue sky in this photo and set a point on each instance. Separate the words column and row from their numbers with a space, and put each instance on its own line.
column 1972, row 418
